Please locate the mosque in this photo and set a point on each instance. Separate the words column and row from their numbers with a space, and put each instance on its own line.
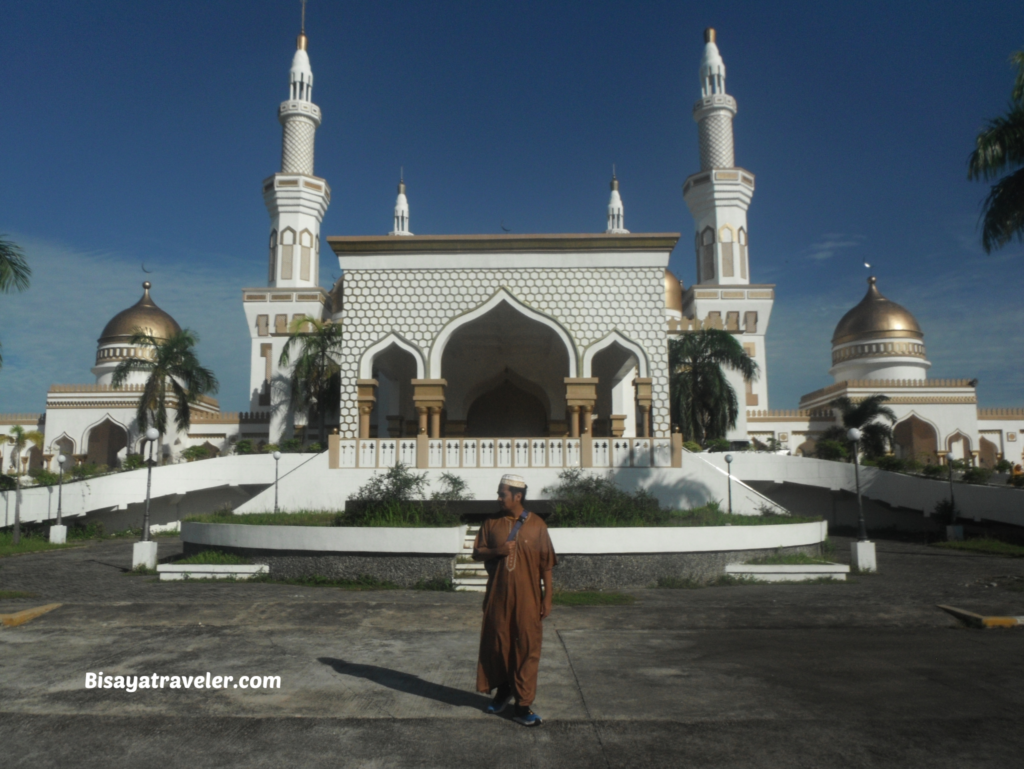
column 556, row 336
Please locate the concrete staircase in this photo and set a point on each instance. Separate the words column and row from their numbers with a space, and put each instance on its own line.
column 470, row 577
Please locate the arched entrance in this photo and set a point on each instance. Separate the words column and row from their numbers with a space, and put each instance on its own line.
column 988, row 453
column 916, row 439
column 393, row 414
column 505, row 371
column 959, row 446
column 615, row 368
column 105, row 440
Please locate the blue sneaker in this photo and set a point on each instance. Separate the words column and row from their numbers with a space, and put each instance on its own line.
column 501, row 700
column 526, row 717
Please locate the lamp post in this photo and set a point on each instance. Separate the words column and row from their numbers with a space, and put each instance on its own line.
column 952, row 501
column 61, row 459
column 855, row 435
column 277, row 461
column 728, row 466
column 152, row 435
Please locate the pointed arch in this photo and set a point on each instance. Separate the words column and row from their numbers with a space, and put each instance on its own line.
column 366, row 361
column 60, row 442
column 501, row 295
column 608, row 340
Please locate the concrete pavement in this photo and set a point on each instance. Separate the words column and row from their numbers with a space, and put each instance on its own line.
column 867, row 673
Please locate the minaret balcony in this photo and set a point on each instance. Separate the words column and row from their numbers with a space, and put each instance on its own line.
column 295, row 107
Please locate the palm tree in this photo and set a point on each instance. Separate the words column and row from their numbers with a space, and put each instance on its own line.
column 19, row 437
column 14, row 271
column 703, row 402
column 173, row 371
column 876, row 435
column 315, row 378
column 998, row 148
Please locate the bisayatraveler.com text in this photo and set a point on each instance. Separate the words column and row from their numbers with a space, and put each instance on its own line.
column 132, row 683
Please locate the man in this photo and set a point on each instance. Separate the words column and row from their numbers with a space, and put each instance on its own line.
column 518, row 556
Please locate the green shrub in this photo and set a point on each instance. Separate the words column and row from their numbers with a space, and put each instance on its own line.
column 269, row 448
column 933, row 471
column 1004, row 466
column 692, row 446
column 314, row 448
column 132, row 462
column 194, row 453
column 396, row 497
column 7, row 483
column 214, row 557
column 79, row 472
column 1018, row 481
column 717, row 444
column 439, row 584
column 291, row 446
column 890, row 463
column 583, row 499
column 977, row 475
column 832, row 450
column 245, row 446
column 44, row 477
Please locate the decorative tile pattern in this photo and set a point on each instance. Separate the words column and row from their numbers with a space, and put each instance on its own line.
column 589, row 303
column 716, row 145
column 297, row 147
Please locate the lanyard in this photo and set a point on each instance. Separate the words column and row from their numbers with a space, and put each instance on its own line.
column 519, row 524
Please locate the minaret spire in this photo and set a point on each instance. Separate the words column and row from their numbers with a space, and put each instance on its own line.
column 616, row 213
column 715, row 110
column 401, row 208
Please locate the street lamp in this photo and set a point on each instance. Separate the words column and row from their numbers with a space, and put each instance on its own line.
column 728, row 466
column 61, row 459
column 152, row 435
column 277, row 464
column 855, row 435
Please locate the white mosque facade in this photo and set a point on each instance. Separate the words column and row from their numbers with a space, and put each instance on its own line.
column 559, row 340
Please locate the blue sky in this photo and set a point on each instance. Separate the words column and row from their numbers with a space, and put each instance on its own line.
column 140, row 132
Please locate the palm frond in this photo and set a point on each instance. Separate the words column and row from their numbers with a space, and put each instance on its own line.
column 1003, row 212
column 14, row 270
column 1017, row 60
column 999, row 145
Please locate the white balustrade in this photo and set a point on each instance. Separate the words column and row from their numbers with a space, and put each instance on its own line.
column 600, row 452
column 451, row 453
column 538, row 453
column 620, row 452
column 469, row 453
column 487, row 453
column 435, row 453
column 521, row 448
column 642, row 452
column 572, row 452
column 407, row 452
column 504, row 453
column 556, row 453
column 347, row 454
column 367, row 453
column 662, row 452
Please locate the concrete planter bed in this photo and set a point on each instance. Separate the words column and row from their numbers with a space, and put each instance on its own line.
column 588, row 558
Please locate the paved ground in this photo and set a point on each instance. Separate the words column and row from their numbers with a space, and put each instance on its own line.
column 862, row 674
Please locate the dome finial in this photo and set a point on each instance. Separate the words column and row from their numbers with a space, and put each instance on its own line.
column 615, row 180
column 872, row 280
column 302, row 41
column 147, row 285
column 709, row 35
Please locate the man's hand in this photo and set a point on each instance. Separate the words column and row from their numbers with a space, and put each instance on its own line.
column 505, row 549
column 549, row 590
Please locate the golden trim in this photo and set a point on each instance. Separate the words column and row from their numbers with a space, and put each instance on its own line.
column 361, row 245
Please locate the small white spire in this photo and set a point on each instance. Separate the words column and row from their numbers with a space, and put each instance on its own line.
column 712, row 68
column 401, row 209
column 616, row 213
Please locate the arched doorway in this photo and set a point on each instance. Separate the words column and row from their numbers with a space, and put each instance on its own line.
column 916, row 439
column 63, row 445
column 615, row 368
column 988, row 453
column 959, row 446
column 503, row 353
column 394, row 414
column 105, row 441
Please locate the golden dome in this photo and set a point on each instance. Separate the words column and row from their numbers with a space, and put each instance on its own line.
column 876, row 318
column 143, row 315
column 673, row 292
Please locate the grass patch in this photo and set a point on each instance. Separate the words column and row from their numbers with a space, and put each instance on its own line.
column 438, row 584
column 13, row 595
column 214, row 558
column 793, row 559
column 984, row 545
column 590, row 598
column 300, row 518
column 31, row 542
column 142, row 571
column 364, row 582
column 722, row 580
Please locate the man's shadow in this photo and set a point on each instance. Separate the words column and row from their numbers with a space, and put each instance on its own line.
column 410, row 684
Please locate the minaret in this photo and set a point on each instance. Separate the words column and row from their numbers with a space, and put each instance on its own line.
column 296, row 199
column 401, row 211
column 718, row 196
column 616, row 221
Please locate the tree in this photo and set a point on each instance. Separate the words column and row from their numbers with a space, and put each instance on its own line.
column 315, row 381
column 19, row 437
column 1000, row 148
column 14, row 271
column 703, row 402
column 876, row 436
column 173, row 372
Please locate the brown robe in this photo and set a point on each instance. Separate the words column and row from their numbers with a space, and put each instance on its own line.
column 511, row 636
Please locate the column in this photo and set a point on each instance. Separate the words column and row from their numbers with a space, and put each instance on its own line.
column 428, row 396
column 574, row 421
column 366, row 396
column 644, row 398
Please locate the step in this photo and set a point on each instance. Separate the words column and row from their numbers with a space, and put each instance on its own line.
column 468, row 581
column 470, row 589
column 788, row 573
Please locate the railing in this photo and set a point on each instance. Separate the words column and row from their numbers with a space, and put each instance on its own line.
column 504, row 452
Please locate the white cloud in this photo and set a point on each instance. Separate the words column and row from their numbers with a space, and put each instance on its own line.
column 830, row 243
